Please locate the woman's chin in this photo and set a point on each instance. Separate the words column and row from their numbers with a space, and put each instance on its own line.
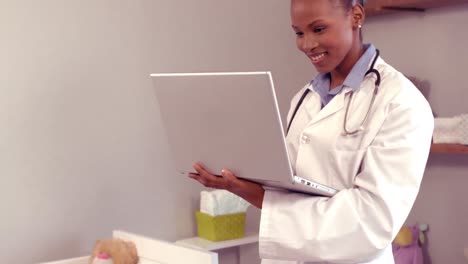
column 322, row 69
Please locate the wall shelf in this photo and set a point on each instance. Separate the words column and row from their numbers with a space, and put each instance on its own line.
column 380, row 7
column 200, row 243
column 449, row 149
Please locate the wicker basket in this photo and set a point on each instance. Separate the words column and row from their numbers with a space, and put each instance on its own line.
column 221, row 227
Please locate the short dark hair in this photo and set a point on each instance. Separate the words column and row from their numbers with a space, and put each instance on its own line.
column 348, row 4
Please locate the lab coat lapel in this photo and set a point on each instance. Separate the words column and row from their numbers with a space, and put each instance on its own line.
column 335, row 105
column 312, row 109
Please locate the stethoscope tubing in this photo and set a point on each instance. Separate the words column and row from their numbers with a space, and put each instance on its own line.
column 374, row 95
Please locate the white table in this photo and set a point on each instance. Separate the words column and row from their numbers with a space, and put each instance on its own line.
column 204, row 244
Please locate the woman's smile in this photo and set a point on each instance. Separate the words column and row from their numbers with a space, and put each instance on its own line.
column 317, row 57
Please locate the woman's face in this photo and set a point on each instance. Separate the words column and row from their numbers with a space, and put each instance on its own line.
column 324, row 31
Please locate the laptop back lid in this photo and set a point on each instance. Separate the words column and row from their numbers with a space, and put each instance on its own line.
column 224, row 120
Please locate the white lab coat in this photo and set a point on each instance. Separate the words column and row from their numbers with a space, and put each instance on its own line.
column 378, row 172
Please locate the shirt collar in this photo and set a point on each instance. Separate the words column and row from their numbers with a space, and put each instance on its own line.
column 357, row 73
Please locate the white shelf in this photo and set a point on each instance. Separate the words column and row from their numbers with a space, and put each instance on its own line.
column 200, row 243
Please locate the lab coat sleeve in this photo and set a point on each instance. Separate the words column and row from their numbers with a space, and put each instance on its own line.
column 357, row 223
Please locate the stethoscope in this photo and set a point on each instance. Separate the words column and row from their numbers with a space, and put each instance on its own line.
column 348, row 132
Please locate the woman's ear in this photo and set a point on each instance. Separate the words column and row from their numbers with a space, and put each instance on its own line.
column 359, row 15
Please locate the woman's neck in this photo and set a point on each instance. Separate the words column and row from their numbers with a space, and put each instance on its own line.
column 339, row 74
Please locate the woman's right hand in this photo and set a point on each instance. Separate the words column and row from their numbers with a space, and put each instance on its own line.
column 249, row 191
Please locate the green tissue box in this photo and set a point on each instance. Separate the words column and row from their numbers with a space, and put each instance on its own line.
column 221, row 227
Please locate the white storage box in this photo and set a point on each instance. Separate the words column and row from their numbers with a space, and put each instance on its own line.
column 154, row 251
column 82, row 260
column 452, row 130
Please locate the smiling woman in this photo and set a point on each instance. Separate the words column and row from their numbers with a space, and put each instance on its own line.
column 368, row 136
column 327, row 39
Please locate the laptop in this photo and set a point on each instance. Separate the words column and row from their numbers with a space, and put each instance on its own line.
column 228, row 120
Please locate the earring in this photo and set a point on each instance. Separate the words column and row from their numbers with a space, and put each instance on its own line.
column 359, row 26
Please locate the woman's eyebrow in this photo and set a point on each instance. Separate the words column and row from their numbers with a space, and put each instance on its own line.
column 311, row 24
column 317, row 21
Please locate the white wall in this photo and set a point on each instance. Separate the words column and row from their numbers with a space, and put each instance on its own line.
column 433, row 46
column 82, row 150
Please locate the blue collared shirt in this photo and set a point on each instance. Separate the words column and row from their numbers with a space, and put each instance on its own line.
column 321, row 83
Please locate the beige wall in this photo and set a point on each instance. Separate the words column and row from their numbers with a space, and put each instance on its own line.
column 433, row 46
column 82, row 148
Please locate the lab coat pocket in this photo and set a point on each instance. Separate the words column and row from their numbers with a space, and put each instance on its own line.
column 347, row 164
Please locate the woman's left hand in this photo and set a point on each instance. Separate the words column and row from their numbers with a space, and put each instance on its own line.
column 250, row 191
